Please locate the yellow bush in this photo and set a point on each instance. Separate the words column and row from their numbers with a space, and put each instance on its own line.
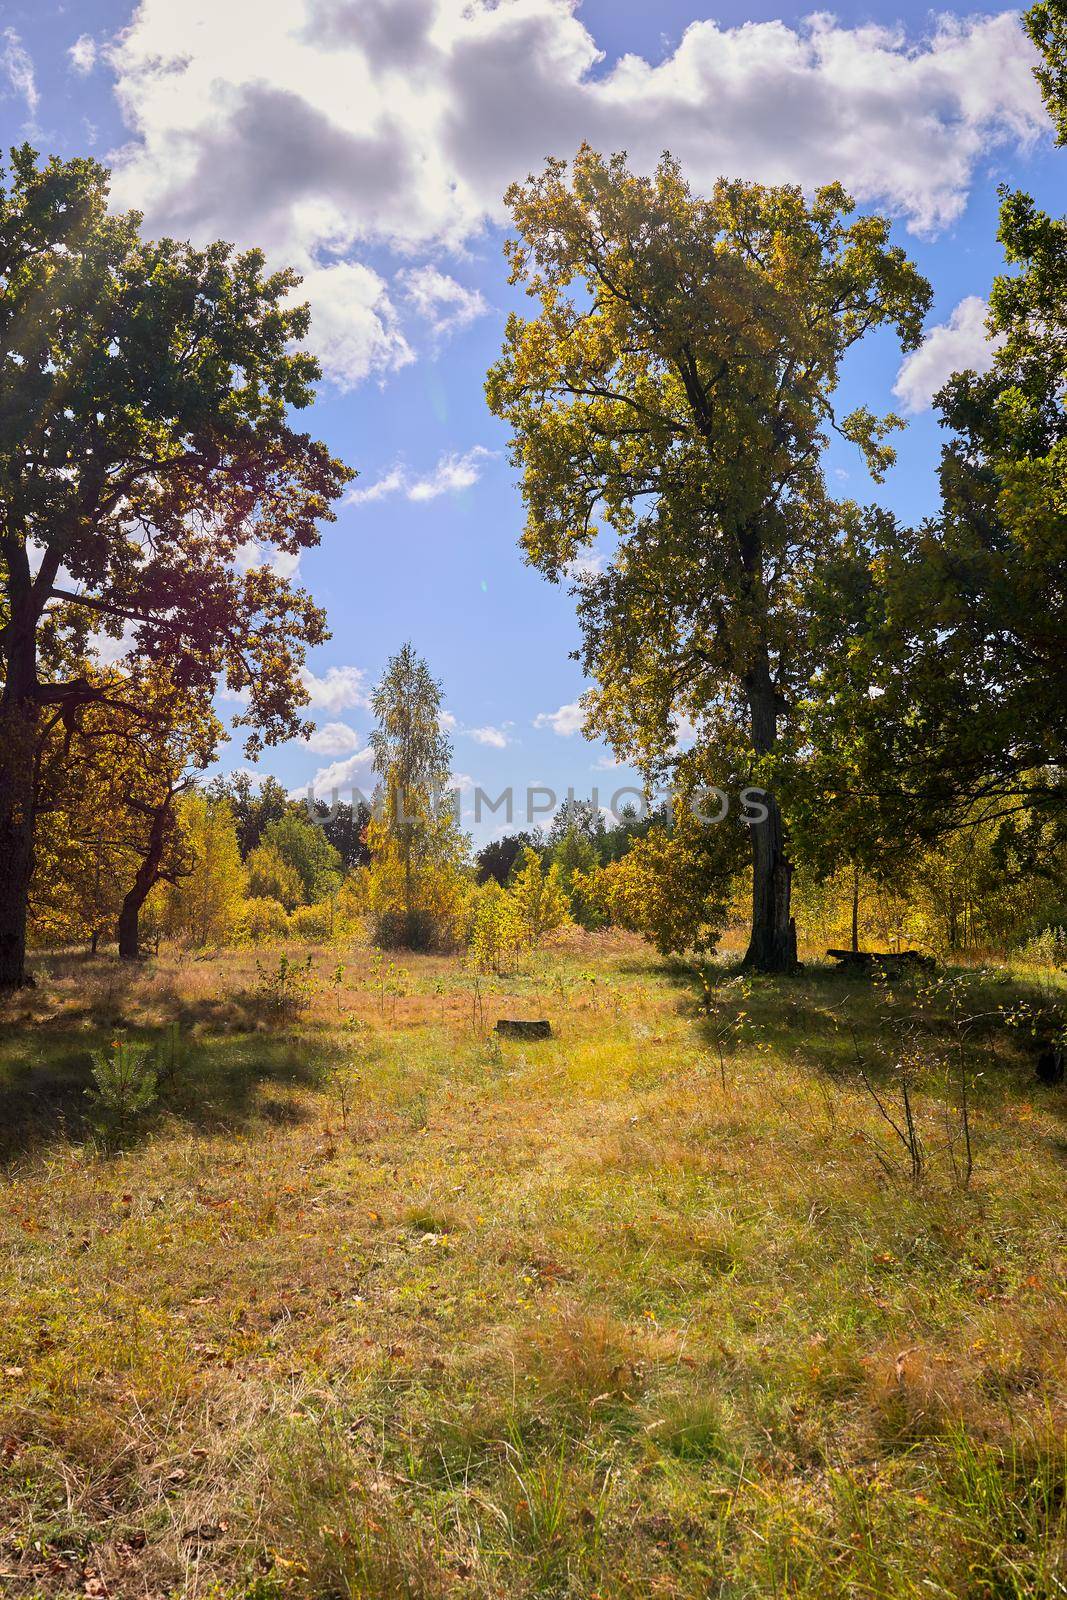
column 539, row 897
column 263, row 918
column 496, row 933
column 312, row 922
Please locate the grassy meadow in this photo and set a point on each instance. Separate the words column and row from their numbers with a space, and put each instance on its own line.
column 374, row 1303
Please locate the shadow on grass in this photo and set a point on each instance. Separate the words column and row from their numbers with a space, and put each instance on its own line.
column 833, row 1021
column 220, row 1083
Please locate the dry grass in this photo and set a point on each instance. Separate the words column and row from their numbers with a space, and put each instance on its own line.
column 377, row 1305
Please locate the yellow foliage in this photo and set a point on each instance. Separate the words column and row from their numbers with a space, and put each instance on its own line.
column 205, row 907
column 263, row 919
column 661, row 888
column 271, row 877
column 496, row 933
column 312, row 922
column 540, row 898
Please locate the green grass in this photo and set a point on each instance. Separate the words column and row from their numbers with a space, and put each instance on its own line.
column 381, row 1306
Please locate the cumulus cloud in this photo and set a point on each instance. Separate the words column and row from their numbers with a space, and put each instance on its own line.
column 16, row 65
column 497, row 738
column 452, row 473
column 314, row 126
column 82, row 54
column 445, row 304
column 957, row 345
column 338, row 689
column 354, row 772
column 565, row 722
column 333, row 739
column 355, row 328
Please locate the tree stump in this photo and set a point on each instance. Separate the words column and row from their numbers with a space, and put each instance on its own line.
column 1049, row 1064
column 516, row 1028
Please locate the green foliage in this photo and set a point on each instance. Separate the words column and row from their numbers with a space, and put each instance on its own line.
column 305, row 850
column 669, row 886
column 188, row 410
column 497, row 858
column 146, row 443
column 272, row 877
column 416, row 888
column 254, row 803
column 677, row 384
column 124, row 1086
column 940, row 694
column 1046, row 23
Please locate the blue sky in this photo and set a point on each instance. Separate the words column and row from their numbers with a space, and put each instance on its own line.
column 369, row 142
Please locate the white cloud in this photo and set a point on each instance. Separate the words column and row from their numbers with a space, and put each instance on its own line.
column 338, row 689
column 285, row 563
column 392, row 483
column 333, row 739
column 497, row 738
column 315, row 127
column 82, row 54
column 445, row 304
column 17, row 66
column 108, row 651
column 354, row 772
column 588, row 565
column 355, row 329
column 953, row 346
column 566, row 721
column 452, row 473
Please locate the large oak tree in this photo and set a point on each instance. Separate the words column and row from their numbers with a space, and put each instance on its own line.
column 147, row 454
column 676, row 384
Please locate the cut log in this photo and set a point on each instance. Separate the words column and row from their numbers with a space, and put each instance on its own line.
column 516, row 1028
column 889, row 961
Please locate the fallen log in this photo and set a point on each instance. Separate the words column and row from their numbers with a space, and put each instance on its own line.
column 889, row 961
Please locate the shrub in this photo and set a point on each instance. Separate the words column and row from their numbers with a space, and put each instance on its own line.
column 427, row 912
column 311, row 922
column 285, row 991
column 272, row 877
column 669, row 887
column 263, row 919
column 1047, row 948
column 350, row 905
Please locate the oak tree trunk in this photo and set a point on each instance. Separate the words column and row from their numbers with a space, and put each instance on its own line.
column 19, row 721
column 773, row 941
column 147, row 877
